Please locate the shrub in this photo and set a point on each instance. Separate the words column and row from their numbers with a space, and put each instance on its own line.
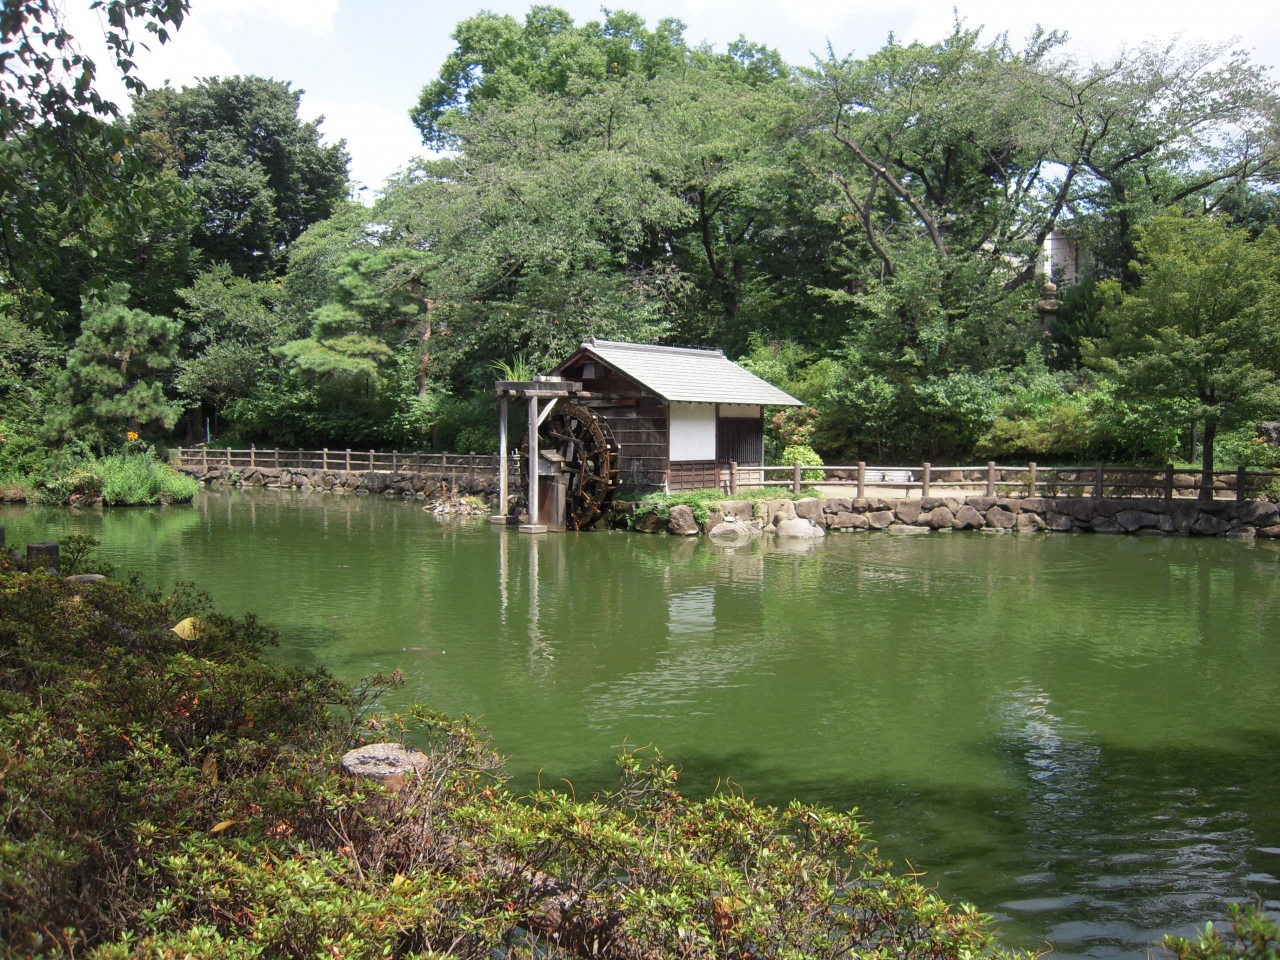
column 1253, row 935
column 806, row 457
column 177, row 795
column 131, row 479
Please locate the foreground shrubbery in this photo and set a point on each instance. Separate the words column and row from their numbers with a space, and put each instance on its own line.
column 134, row 477
column 164, row 797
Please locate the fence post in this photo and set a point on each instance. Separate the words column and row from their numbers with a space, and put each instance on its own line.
column 991, row 478
column 417, row 463
column 275, row 459
column 253, row 454
column 324, row 458
column 862, row 479
column 1242, row 482
column 348, row 459
column 925, row 480
column 393, row 461
column 471, row 463
column 1097, row 481
column 228, row 458
column 733, row 477
column 299, row 458
column 1168, row 481
column 371, row 461
column 795, row 483
column 204, row 458
column 1031, row 482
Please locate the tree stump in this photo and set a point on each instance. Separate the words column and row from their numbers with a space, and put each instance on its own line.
column 389, row 764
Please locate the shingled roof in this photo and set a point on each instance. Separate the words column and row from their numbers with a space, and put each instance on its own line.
column 683, row 374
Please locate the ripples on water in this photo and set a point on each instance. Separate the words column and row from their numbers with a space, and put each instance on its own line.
column 1080, row 734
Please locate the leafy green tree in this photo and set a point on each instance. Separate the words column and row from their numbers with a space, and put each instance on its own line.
column 1202, row 331
column 69, row 180
column 112, row 384
column 259, row 175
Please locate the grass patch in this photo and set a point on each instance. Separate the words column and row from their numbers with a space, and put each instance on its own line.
column 134, row 479
column 701, row 502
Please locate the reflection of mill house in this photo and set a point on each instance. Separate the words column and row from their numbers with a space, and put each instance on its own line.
column 670, row 418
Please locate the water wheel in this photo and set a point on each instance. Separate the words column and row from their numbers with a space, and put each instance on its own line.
column 590, row 461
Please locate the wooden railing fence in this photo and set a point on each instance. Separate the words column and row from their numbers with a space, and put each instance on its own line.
column 347, row 460
column 993, row 480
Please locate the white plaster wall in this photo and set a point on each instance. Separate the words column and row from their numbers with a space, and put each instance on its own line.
column 693, row 431
column 746, row 411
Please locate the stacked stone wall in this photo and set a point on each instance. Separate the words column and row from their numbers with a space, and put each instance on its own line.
column 1244, row 519
column 421, row 486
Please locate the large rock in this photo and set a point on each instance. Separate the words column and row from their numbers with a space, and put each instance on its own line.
column 714, row 519
column 1012, row 504
column 1271, row 533
column 1029, row 522
column 1000, row 519
column 929, row 504
column 1105, row 525
column 1077, row 508
column 1243, row 533
column 907, row 511
column 1035, row 505
column 734, row 530
column 938, row 518
column 680, row 521
column 1259, row 513
column 800, row 529
column 1135, row 520
column 775, row 511
column 1058, row 521
column 879, row 519
column 1182, row 514
column 906, row 529
column 1270, row 432
column 390, row 764
column 837, row 505
column 1207, row 525
column 648, row 523
column 968, row 518
column 810, row 508
column 741, row 509
column 981, row 504
column 849, row 521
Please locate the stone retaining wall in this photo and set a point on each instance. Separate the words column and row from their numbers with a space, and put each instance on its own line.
column 813, row 517
column 408, row 485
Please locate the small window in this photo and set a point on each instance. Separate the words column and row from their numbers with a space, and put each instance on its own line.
column 589, row 370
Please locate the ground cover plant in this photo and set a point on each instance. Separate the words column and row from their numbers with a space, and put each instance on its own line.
column 132, row 476
column 169, row 793
column 701, row 502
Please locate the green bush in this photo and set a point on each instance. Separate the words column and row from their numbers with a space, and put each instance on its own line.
column 702, row 501
column 170, row 793
column 1253, row 935
column 132, row 479
column 806, row 457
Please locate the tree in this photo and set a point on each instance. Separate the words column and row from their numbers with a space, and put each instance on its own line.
column 67, row 172
column 1202, row 330
column 260, row 175
column 111, row 385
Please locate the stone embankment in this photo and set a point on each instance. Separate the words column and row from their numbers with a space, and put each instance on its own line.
column 746, row 519
column 408, row 485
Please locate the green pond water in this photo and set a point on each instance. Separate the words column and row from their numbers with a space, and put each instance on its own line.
column 1080, row 734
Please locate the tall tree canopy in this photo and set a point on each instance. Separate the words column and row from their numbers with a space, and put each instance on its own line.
column 259, row 174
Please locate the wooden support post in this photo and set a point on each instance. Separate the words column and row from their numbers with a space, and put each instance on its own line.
column 393, row 461
column 1242, row 482
column 253, row 454
column 324, row 458
column 371, row 467
column 417, row 461
column 1031, row 479
column 348, row 459
column 991, row 478
column 501, row 515
column 926, row 480
column 299, row 458
column 1168, row 481
column 228, row 458
column 733, row 477
column 1097, row 481
column 471, row 463
column 533, row 526
column 862, row 479
column 795, row 482
column 204, row 458
column 275, row 458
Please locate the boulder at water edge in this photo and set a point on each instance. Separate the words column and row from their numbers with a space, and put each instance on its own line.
column 800, row 529
column 734, row 530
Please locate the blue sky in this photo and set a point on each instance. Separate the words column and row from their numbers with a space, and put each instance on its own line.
column 364, row 62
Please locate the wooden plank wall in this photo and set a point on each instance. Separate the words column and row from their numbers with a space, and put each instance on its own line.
column 638, row 420
column 693, row 475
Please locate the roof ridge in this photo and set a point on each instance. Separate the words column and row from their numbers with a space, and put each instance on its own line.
column 650, row 347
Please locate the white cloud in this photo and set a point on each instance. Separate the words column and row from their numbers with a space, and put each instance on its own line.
column 380, row 141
